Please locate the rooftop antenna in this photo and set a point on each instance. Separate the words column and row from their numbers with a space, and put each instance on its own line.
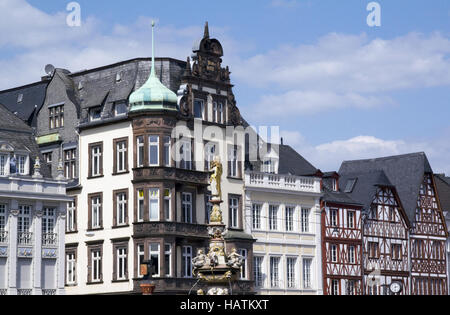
column 49, row 69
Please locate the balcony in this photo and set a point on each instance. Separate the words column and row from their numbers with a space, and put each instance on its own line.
column 3, row 237
column 265, row 181
column 25, row 238
column 170, row 173
column 48, row 292
column 146, row 229
column 24, row 291
column 49, row 239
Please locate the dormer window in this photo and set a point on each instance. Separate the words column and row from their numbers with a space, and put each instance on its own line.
column 120, row 109
column 18, row 164
column 119, row 76
column 334, row 184
column 350, row 185
column 95, row 114
column 20, row 98
column 268, row 166
column 21, row 164
column 4, row 164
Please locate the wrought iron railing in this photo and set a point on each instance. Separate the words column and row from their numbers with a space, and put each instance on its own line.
column 49, row 239
column 3, row 237
column 24, row 291
column 48, row 292
column 3, row 291
column 25, row 238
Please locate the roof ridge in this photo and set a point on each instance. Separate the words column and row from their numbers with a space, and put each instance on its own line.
column 388, row 157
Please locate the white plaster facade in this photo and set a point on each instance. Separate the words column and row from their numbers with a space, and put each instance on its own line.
column 32, row 262
column 297, row 243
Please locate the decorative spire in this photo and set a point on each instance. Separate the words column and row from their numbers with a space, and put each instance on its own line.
column 187, row 71
column 206, row 35
column 153, row 74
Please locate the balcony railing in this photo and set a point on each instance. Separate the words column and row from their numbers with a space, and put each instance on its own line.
column 48, row 292
column 3, row 237
column 283, row 182
column 170, row 228
column 49, row 239
column 3, row 291
column 25, row 238
column 24, row 291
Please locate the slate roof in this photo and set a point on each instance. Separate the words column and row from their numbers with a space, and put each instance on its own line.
column 20, row 136
column 405, row 172
column 443, row 189
column 339, row 197
column 292, row 163
column 33, row 99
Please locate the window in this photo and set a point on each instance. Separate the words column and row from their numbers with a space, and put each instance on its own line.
column 140, row 151
column 121, row 263
column 2, row 217
column 187, row 262
column 185, row 154
column 256, row 216
column 221, row 118
column 199, row 109
column 24, row 225
column 56, row 117
column 290, row 272
column 351, row 219
column 290, row 219
column 392, row 216
column 121, row 208
column 257, row 271
column 268, row 166
column 96, row 212
column 121, row 156
column 71, row 221
column 307, row 273
column 21, row 164
column 335, row 185
column 233, row 163
column 373, row 250
column 351, row 287
column 140, row 252
column 154, row 204
column 186, row 207
column 167, row 149
column 274, row 272
column 305, row 220
column 243, row 253
column 373, row 212
column 334, row 253
column 120, row 109
column 71, row 271
column 214, row 112
column 168, row 260
column 334, row 217
column 140, row 206
column 48, row 225
column 210, row 154
column 396, row 251
column 20, row 98
column 273, row 218
column 154, row 258
column 167, row 204
column 153, row 142
column 334, row 287
column 96, row 273
column 234, row 212
column 70, row 161
column 350, row 185
column 96, row 165
column 95, row 114
column 4, row 165
column 351, row 254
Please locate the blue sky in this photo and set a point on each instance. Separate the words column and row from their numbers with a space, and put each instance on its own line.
column 337, row 88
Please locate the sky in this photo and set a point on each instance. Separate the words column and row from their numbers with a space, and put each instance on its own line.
column 338, row 88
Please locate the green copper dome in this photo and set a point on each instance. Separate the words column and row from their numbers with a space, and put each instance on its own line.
column 153, row 95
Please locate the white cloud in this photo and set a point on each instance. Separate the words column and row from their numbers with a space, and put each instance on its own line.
column 329, row 156
column 346, row 70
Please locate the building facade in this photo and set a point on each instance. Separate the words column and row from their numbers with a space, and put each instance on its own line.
column 282, row 211
column 32, row 215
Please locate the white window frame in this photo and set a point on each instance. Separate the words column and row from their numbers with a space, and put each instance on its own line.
column 121, row 149
column 185, row 154
column 121, row 210
column 168, row 252
column 167, row 151
column 48, row 220
column 167, row 204
column 140, row 205
column 153, row 196
column 153, row 144
column 307, row 269
column 117, row 113
column 3, row 217
column 96, row 211
column 4, row 164
column 244, row 270
column 158, row 254
column 96, row 158
column 234, row 212
column 71, row 213
column 92, row 111
column 202, row 104
column 221, row 116
column 256, row 216
column 140, row 148
column 273, row 217
column 352, row 225
column 334, row 253
column 291, row 277
column 187, row 259
column 186, row 206
column 234, row 162
column 71, row 269
column 274, row 271
column 334, row 220
column 305, row 220
column 289, row 218
column 210, row 153
column 24, row 219
column 122, row 255
column 258, row 272
column 351, row 254
column 140, row 251
column 22, row 164
column 96, row 265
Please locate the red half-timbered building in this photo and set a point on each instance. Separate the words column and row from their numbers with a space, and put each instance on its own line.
column 411, row 179
column 341, row 240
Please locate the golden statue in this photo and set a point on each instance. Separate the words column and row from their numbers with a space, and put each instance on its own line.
column 216, row 178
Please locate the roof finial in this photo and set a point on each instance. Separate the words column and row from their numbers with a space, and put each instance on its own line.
column 206, row 35
column 153, row 74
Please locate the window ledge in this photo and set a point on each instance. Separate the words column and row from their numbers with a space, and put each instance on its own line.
column 95, row 230
column 121, row 173
column 94, row 177
column 94, row 283
column 71, row 232
column 120, row 281
column 234, row 178
column 120, row 227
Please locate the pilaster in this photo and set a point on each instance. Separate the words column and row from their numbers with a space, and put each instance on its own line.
column 12, row 259
column 60, row 267
column 318, row 258
column 37, row 249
